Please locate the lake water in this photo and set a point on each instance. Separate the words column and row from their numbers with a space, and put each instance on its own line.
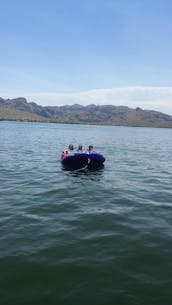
column 85, row 238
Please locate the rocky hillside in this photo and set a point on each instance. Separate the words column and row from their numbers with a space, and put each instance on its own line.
column 91, row 114
column 12, row 114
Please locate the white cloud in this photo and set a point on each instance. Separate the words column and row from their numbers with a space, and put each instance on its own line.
column 156, row 98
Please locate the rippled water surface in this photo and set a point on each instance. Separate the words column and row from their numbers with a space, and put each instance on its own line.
column 90, row 238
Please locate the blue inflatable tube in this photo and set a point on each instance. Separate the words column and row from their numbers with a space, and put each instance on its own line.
column 83, row 160
column 95, row 160
column 75, row 161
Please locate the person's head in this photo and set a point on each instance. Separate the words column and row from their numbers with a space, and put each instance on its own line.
column 80, row 147
column 70, row 147
column 90, row 147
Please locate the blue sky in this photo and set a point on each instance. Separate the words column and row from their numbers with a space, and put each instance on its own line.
column 94, row 51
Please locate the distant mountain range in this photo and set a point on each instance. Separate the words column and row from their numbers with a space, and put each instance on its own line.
column 19, row 109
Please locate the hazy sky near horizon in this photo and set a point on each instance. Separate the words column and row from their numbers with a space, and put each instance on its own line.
column 96, row 51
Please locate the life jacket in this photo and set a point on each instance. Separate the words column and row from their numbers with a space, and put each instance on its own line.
column 64, row 154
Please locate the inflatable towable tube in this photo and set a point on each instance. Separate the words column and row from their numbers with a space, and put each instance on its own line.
column 82, row 160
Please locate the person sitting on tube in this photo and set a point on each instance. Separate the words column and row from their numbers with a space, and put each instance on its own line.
column 90, row 148
column 80, row 148
column 70, row 148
